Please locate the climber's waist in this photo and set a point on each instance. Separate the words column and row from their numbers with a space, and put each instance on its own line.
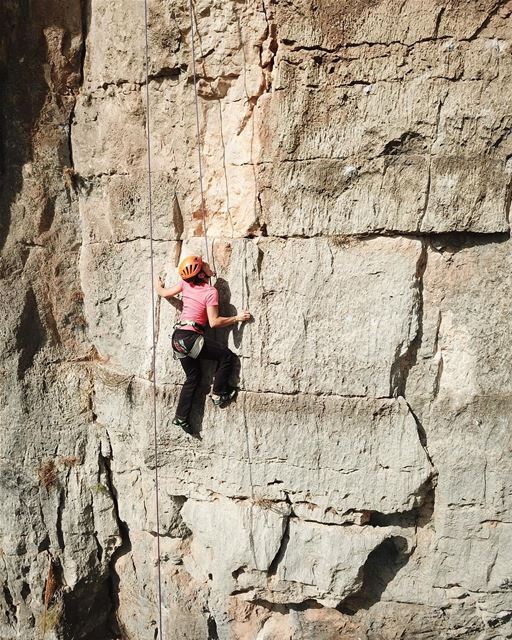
column 195, row 326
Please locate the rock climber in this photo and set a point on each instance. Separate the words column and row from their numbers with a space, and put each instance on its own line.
column 189, row 344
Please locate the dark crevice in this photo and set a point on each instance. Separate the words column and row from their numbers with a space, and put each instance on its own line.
column 305, row 605
column 124, row 548
column 259, row 261
column 437, row 380
column 30, row 334
column 285, row 608
column 459, row 240
column 12, row 610
column 379, row 570
column 85, row 6
column 289, row 43
column 99, row 548
column 211, row 623
column 456, row 240
column 271, row 35
column 176, row 525
column 85, row 17
column 500, row 620
column 408, row 45
column 508, row 195
column 70, row 159
column 438, row 22
column 238, row 572
column 177, row 219
column 404, row 362
column 281, row 551
column 485, row 23
column 419, row 516
column 422, row 435
column 165, row 73
column 26, row 63
column 504, row 135
column 86, row 610
column 319, row 394
column 92, row 594
column 21, row 67
column 362, row 43
column 47, row 216
column 58, row 522
column 426, row 201
column 169, row 73
column 408, row 142
column 452, row 241
column 429, row 171
column 25, row 590
column 212, row 628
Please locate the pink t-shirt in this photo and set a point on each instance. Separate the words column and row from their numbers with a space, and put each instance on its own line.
column 196, row 297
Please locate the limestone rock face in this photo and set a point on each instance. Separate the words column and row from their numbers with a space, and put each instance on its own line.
column 356, row 160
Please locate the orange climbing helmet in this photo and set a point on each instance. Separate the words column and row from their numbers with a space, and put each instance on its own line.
column 190, row 267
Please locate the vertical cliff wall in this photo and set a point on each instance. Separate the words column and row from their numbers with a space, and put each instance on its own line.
column 357, row 162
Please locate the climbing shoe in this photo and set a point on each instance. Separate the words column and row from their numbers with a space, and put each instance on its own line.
column 183, row 424
column 223, row 399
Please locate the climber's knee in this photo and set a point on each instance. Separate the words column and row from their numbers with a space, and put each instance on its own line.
column 194, row 377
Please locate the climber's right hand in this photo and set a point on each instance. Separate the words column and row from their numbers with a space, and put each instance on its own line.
column 244, row 316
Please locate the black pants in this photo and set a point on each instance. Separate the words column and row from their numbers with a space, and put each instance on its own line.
column 211, row 351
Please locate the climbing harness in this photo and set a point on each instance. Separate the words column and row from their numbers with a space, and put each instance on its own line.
column 160, row 635
column 180, row 349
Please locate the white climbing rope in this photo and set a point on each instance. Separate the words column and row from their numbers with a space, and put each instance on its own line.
column 244, row 275
column 245, row 305
column 198, row 129
column 153, row 322
column 152, row 261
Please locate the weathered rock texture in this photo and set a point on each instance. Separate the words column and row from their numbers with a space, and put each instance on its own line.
column 357, row 160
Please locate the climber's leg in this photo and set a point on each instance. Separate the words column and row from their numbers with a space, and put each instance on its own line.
column 226, row 360
column 183, row 339
column 192, row 369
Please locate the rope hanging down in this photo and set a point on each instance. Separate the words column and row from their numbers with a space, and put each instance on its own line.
column 198, row 130
column 152, row 261
column 153, row 320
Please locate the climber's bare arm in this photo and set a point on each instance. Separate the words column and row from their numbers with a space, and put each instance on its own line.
column 217, row 322
column 166, row 293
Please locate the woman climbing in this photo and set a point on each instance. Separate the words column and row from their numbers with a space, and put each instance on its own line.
column 200, row 308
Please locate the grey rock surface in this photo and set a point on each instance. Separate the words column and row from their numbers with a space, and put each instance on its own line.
column 357, row 180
